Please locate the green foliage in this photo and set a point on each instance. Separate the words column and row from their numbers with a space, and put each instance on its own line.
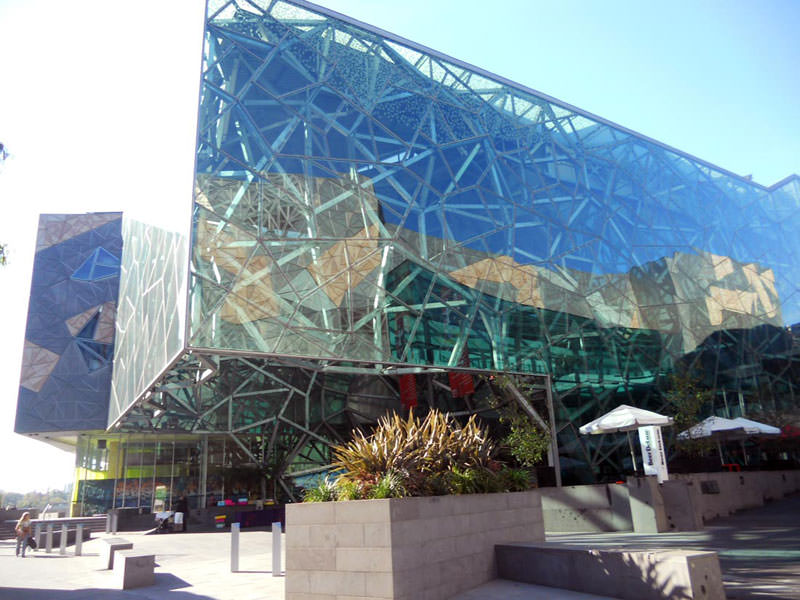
column 348, row 490
column 414, row 450
column 390, row 485
column 485, row 481
column 516, row 480
column 526, row 441
column 467, row 481
column 686, row 397
column 324, row 491
column 409, row 457
column 58, row 499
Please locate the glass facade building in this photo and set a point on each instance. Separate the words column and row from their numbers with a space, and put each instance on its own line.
column 370, row 217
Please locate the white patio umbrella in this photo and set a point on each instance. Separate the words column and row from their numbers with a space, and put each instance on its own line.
column 763, row 431
column 719, row 428
column 763, row 428
column 625, row 418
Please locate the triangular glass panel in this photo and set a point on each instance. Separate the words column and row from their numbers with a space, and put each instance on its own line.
column 101, row 264
column 95, row 354
column 88, row 330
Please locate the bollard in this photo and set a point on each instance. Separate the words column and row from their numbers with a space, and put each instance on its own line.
column 276, row 549
column 37, row 531
column 108, row 523
column 114, row 522
column 49, row 538
column 78, row 539
column 62, row 543
column 234, row 547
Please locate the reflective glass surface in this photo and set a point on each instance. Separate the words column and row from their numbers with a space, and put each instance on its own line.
column 364, row 203
column 152, row 308
column 354, row 194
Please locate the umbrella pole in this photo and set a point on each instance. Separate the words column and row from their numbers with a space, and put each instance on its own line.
column 719, row 449
column 633, row 454
column 744, row 453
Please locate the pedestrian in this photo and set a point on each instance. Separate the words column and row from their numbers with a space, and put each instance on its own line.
column 183, row 507
column 23, row 531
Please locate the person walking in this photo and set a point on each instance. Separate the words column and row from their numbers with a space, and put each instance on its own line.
column 183, row 507
column 23, row 531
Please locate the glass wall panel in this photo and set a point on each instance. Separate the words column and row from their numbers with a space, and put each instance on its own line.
column 150, row 323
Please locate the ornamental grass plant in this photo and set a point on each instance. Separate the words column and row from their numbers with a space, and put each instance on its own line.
column 413, row 457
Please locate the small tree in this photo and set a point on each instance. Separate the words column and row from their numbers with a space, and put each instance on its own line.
column 686, row 397
column 527, row 441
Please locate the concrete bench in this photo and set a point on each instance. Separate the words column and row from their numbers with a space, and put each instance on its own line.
column 134, row 569
column 619, row 573
column 110, row 547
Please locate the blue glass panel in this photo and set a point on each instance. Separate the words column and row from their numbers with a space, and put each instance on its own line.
column 101, row 264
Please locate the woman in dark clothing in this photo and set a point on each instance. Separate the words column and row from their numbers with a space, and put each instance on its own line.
column 182, row 506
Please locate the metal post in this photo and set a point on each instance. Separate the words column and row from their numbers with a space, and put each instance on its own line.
column 234, row 547
column 114, row 521
column 78, row 539
column 156, row 448
column 141, row 465
column 124, row 475
column 633, row 454
column 115, row 475
column 727, row 408
column 84, row 467
column 276, row 549
column 37, row 531
column 49, row 538
column 203, row 472
column 553, row 430
column 108, row 522
column 171, row 476
column 62, row 543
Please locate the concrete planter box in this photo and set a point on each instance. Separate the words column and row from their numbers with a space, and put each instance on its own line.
column 403, row 548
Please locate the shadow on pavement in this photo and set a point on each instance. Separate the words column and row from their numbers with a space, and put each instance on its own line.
column 165, row 583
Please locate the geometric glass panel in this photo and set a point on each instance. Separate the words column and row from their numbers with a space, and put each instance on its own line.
column 101, row 264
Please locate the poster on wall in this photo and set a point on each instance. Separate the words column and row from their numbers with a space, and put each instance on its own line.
column 653, row 455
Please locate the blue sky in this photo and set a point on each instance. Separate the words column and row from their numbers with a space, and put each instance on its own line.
column 716, row 79
column 98, row 103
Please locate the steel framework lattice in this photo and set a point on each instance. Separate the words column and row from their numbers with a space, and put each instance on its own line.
column 365, row 208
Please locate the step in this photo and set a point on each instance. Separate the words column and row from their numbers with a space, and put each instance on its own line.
column 503, row 589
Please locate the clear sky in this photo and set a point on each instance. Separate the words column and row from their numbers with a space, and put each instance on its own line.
column 98, row 101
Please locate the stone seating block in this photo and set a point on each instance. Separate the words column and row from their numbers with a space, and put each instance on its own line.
column 110, row 547
column 620, row 573
column 134, row 569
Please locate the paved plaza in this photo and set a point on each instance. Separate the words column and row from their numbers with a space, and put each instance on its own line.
column 759, row 553
column 759, row 549
column 189, row 566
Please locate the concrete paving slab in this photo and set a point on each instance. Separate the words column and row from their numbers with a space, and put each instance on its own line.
column 189, row 566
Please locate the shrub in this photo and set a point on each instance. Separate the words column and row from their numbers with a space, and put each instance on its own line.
column 324, row 491
column 411, row 448
column 409, row 457
column 388, row 486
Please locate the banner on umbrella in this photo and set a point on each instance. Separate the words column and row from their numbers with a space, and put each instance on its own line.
column 653, row 455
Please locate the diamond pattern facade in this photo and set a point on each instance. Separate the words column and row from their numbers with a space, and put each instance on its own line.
column 69, row 338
